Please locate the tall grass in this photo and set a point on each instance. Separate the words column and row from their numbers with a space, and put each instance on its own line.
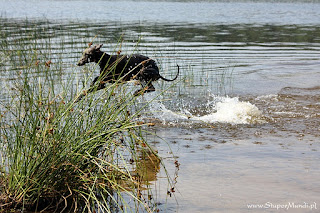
column 59, row 155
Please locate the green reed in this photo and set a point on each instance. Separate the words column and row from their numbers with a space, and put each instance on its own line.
column 60, row 155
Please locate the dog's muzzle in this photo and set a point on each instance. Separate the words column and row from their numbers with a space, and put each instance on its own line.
column 82, row 62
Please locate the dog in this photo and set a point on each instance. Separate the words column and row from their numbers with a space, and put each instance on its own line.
column 122, row 68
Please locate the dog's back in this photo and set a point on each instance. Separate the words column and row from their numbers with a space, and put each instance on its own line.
column 128, row 66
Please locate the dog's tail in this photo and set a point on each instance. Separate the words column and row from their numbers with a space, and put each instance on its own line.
column 165, row 79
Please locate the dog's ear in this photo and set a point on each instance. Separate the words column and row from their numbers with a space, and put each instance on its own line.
column 98, row 46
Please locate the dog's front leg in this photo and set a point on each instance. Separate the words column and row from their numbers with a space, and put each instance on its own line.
column 92, row 88
column 96, row 88
column 94, row 81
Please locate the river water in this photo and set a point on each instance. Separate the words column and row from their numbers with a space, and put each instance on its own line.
column 243, row 120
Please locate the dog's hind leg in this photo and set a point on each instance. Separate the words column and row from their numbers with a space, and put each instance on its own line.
column 146, row 87
column 150, row 88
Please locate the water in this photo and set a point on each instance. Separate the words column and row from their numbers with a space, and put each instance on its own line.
column 243, row 121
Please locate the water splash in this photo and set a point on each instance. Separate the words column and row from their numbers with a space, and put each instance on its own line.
column 233, row 111
column 219, row 109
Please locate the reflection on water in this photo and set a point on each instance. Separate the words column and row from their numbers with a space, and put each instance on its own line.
column 147, row 167
column 249, row 72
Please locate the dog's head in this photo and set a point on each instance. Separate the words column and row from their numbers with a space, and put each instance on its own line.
column 90, row 55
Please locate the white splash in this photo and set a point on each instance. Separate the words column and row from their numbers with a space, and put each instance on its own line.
column 221, row 109
column 231, row 110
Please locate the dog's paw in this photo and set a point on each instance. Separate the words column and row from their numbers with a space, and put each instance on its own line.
column 138, row 92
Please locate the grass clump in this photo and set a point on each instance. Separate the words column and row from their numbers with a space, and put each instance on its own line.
column 65, row 156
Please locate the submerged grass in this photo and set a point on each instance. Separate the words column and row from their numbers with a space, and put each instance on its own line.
column 59, row 155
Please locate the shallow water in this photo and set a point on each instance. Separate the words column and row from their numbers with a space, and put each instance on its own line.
column 225, row 168
column 243, row 121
